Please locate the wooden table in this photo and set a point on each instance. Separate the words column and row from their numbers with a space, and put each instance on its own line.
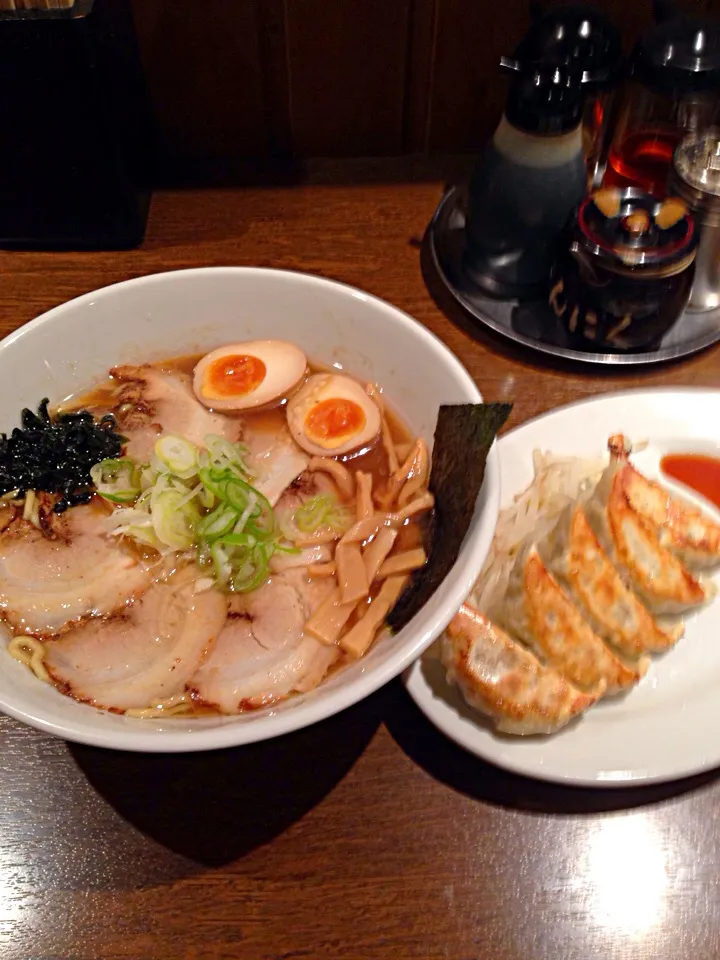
column 369, row 836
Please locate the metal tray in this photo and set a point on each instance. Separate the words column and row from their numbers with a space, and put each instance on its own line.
column 533, row 324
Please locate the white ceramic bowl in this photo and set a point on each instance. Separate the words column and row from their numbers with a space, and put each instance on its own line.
column 189, row 311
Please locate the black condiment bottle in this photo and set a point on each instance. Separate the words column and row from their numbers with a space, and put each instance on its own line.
column 529, row 179
column 582, row 36
column 76, row 131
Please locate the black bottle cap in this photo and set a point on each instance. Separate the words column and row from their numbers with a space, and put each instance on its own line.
column 545, row 99
column 665, row 10
column 580, row 35
column 679, row 54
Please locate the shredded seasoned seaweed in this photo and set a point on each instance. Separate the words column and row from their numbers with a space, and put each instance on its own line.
column 55, row 454
column 463, row 437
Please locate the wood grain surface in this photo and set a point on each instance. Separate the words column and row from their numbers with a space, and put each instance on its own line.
column 240, row 86
column 368, row 836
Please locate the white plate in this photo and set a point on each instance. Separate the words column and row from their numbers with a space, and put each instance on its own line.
column 668, row 726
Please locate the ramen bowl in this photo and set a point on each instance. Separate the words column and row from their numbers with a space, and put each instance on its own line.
column 72, row 346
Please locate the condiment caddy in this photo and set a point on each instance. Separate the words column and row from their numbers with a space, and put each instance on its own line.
column 533, row 324
column 534, row 250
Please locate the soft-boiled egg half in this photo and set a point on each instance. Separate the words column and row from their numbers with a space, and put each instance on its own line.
column 331, row 415
column 245, row 375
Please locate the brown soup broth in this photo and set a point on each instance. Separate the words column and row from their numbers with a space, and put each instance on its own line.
column 102, row 398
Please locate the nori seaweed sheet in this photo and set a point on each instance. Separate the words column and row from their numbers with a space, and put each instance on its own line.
column 463, row 437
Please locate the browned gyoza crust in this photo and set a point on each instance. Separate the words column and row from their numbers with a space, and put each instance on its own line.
column 658, row 577
column 681, row 528
column 505, row 681
column 655, row 574
column 538, row 610
column 574, row 555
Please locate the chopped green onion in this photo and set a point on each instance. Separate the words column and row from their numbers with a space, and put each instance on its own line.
column 322, row 511
column 237, row 494
column 188, row 498
column 145, row 534
column 206, row 498
column 148, row 476
column 286, row 548
column 223, row 454
column 174, row 524
column 223, row 570
column 217, row 523
column 215, row 481
column 177, row 455
column 116, row 480
column 191, row 494
column 128, row 516
column 238, row 540
column 254, row 569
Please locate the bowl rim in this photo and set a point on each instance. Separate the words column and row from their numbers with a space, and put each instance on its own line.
column 231, row 732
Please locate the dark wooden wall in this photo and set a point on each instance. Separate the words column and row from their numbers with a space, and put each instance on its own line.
column 266, row 79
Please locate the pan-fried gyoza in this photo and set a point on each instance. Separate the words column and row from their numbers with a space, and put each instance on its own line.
column 590, row 570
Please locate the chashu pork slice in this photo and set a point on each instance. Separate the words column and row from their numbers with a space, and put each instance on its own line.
column 146, row 654
column 275, row 459
column 503, row 680
column 48, row 583
column 152, row 402
column 262, row 654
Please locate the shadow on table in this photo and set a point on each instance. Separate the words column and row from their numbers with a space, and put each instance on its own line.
column 215, row 807
column 468, row 774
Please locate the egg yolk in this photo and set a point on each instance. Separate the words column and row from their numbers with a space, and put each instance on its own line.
column 235, row 376
column 331, row 421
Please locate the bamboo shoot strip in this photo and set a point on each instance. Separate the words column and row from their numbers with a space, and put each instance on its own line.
column 357, row 641
column 403, row 563
column 351, row 573
column 377, row 550
column 365, row 506
column 329, row 618
column 321, row 569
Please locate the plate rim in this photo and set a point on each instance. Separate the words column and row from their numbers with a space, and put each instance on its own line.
column 603, row 360
column 424, row 698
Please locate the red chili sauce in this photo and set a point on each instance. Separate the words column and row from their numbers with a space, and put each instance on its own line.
column 695, row 470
